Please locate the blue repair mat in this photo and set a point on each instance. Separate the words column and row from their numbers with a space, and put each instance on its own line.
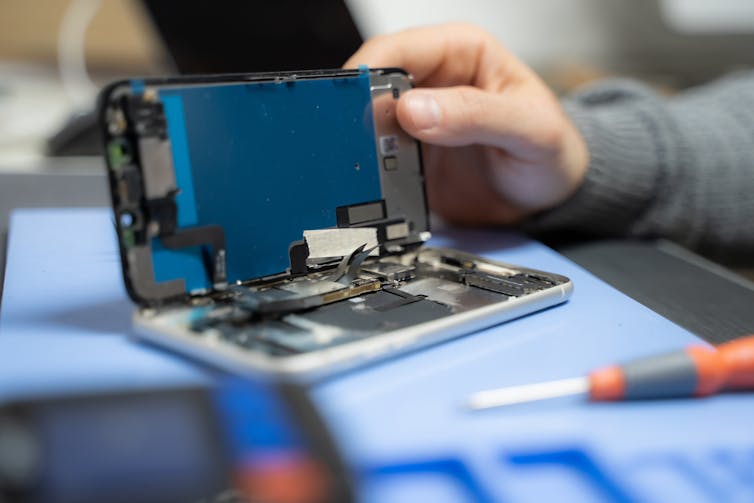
column 265, row 161
column 401, row 424
column 405, row 422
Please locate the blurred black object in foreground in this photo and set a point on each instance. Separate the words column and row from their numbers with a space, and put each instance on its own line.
column 232, row 442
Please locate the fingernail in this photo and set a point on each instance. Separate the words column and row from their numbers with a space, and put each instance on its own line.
column 424, row 110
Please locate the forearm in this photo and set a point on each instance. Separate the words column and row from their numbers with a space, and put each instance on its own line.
column 680, row 167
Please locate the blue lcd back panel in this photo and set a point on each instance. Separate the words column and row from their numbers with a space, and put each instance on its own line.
column 265, row 161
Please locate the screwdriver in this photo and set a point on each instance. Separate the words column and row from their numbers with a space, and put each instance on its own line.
column 696, row 371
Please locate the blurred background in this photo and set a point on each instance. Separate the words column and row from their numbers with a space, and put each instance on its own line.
column 55, row 54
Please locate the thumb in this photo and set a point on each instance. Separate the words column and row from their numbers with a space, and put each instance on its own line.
column 458, row 116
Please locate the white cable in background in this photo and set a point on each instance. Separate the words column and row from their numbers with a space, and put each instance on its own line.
column 72, row 53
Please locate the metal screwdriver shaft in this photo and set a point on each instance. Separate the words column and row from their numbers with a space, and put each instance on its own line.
column 695, row 371
column 528, row 393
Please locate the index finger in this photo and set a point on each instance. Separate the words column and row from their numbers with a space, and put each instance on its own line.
column 443, row 55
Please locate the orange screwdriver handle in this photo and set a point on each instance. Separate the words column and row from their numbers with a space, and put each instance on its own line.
column 729, row 366
column 660, row 376
column 711, row 372
column 696, row 371
column 738, row 359
column 607, row 384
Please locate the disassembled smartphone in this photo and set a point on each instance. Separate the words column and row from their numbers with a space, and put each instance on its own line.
column 277, row 222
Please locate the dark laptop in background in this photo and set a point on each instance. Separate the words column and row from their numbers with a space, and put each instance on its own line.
column 226, row 36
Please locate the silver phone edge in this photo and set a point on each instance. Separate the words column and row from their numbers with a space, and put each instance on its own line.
column 338, row 359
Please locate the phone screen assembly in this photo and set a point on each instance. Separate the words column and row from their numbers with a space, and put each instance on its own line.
column 277, row 222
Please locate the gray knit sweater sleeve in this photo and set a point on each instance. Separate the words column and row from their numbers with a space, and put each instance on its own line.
column 679, row 167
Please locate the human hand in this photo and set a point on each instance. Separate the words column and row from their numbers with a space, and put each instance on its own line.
column 497, row 145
